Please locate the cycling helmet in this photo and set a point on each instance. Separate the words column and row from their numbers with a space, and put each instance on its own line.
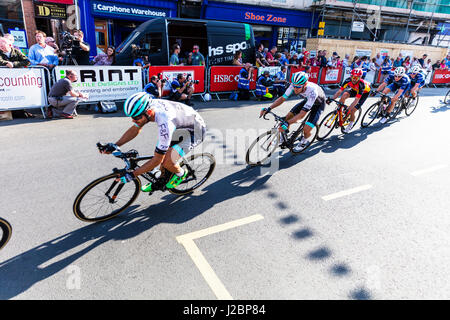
column 358, row 72
column 299, row 78
column 416, row 69
column 399, row 71
column 136, row 104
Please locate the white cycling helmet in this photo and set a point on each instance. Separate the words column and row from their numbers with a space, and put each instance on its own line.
column 299, row 78
column 416, row 69
column 399, row 71
column 137, row 103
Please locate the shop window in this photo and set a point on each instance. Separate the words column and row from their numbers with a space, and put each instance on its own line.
column 151, row 43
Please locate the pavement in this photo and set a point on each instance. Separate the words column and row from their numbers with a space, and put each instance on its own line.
column 357, row 216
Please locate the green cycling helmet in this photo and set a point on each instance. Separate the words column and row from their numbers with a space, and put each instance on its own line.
column 299, row 78
column 137, row 103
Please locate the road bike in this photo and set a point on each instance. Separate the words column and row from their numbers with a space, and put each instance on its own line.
column 340, row 117
column 5, row 232
column 447, row 98
column 409, row 104
column 262, row 148
column 106, row 197
column 378, row 110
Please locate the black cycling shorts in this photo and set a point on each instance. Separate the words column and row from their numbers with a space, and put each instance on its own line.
column 316, row 110
column 363, row 98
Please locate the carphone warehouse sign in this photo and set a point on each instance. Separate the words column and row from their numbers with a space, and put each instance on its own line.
column 118, row 9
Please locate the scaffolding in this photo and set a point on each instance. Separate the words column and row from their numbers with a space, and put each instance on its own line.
column 417, row 15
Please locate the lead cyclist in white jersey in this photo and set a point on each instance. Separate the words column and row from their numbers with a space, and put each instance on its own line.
column 314, row 102
column 180, row 129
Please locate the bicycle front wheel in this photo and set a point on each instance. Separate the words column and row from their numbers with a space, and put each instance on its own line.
column 411, row 106
column 397, row 109
column 104, row 198
column 327, row 125
column 347, row 120
column 370, row 115
column 262, row 148
column 297, row 148
column 199, row 167
column 5, row 232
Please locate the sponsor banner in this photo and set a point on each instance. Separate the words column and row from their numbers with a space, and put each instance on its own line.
column 24, row 87
column 50, row 10
column 169, row 73
column 371, row 75
column 384, row 52
column 104, row 82
column 347, row 73
column 225, row 79
column 363, row 52
column 273, row 70
column 407, row 53
column 127, row 10
column 441, row 77
column 313, row 73
column 20, row 38
column 331, row 75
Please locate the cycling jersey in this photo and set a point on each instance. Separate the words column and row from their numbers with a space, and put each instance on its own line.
column 170, row 116
column 403, row 83
column 360, row 88
column 419, row 78
column 311, row 93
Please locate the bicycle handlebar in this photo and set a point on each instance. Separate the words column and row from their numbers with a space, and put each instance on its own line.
column 338, row 102
column 284, row 123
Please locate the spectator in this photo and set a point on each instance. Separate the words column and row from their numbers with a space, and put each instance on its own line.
column 446, row 61
column 373, row 65
column 182, row 90
column 443, row 65
column 107, row 59
column 265, row 52
column 280, row 83
column 407, row 63
column 365, row 65
column 379, row 60
column 294, row 59
column 345, row 63
column 356, row 63
column 264, row 87
column 323, row 59
column 80, row 51
column 10, row 37
column 11, row 57
column 245, row 75
column 339, row 62
column 305, row 60
column 195, row 58
column 237, row 60
column 427, row 65
column 437, row 65
column 40, row 50
column 283, row 61
column 56, row 57
column 154, row 87
column 174, row 60
column 332, row 60
column 314, row 61
column 415, row 62
column 270, row 56
column 422, row 61
column 386, row 67
column 59, row 99
column 260, row 58
column 398, row 62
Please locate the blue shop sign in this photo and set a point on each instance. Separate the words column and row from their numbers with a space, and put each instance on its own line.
column 258, row 15
column 126, row 10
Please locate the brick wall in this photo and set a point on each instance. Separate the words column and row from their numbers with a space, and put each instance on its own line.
column 30, row 23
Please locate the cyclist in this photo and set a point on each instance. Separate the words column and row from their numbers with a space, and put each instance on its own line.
column 359, row 89
column 417, row 76
column 397, row 81
column 314, row 102
column 180, row 129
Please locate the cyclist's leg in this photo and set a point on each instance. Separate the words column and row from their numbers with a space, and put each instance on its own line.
column 295, row 110
column 345, row 96
column 352, row 110
column 316, row 110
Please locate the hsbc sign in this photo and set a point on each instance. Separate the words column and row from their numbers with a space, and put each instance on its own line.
column 441, row 77
column 225, row 79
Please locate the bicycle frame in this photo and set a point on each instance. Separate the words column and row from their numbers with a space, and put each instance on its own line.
column 279, row 120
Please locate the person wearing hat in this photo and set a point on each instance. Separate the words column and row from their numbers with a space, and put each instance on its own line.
column 305, row 60
column 280, row 83
column 264, row 87
column 294, row 60
column 52, row 58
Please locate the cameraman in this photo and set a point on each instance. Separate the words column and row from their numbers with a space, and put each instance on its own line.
column 154, row 87
column 182, row 90
column 80, row 51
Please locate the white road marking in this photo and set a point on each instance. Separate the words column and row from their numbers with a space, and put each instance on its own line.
column 346, row 192
column 423, row 171
column 187, row 240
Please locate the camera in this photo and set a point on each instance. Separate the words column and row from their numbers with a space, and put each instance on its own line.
column 161, row 78
column 68, row 41
column 189, row 77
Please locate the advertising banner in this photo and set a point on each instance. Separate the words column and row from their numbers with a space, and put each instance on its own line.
column 273, row 70
column 225, row 79
column 169, row 73
column 103, row 83
column 347, row 74
column 441, row 77
column 331, row 75
column 24, row 87
column 363, row 52
column 313, row 73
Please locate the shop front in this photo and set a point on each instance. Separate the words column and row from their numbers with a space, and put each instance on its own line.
column 108, row 23
column 11, row 21
column 272, row 26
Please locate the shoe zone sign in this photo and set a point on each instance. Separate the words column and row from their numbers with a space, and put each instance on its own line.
column 126, row 10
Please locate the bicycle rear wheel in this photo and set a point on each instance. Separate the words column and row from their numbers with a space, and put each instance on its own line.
column 327, row 125
column 298, row 136
column 398, row 107
column 411, row 106
column 262, row 148
column 104, row 198
column 5, row 232
column 371, row 114
column 200, row 167
column 447, row 98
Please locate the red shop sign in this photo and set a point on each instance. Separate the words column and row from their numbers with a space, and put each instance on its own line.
column 313, row 73
column 225, row 78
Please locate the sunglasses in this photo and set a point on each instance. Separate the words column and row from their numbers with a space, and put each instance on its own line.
column 298, row 86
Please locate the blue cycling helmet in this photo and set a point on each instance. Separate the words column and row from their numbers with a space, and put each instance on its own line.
column 299, row 78
column 137, row 103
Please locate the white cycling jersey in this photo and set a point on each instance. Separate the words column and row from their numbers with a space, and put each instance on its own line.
column 170, row 116
column 312, row 92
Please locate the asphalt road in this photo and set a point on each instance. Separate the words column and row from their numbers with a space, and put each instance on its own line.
column 360, row 216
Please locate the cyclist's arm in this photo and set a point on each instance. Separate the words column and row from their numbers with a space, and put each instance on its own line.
column 297, row 117
column 129, row 135
column 150, row 164
column 277, row 102
column 338, row 93
column 355, row 102
column 398, row 94
column 381, row 87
